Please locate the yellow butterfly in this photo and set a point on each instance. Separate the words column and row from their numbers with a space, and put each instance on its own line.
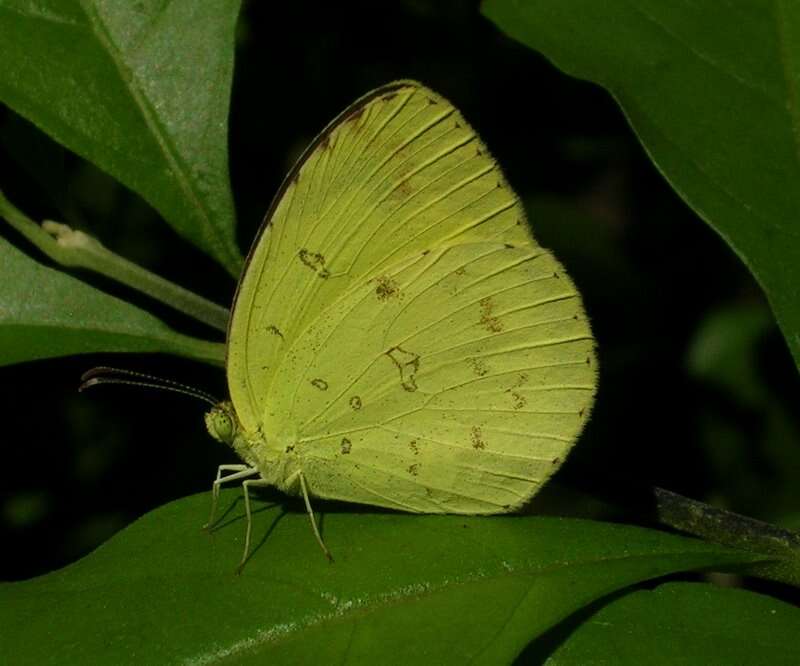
column 398, row 337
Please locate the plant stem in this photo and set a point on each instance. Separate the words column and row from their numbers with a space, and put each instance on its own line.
column 75, row 249
column 733, row 529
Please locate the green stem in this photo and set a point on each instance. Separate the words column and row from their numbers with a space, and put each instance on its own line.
column 75, row 249
column 733, row 529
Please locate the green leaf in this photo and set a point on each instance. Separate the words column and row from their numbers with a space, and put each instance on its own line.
column 46, row 313
column 402, row 589
column 712, row 93
column 141, row 89
column 683, row 623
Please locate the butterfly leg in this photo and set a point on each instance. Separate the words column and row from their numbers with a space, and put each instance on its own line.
column 246, row 485
column 311, row 516
column 241, row 471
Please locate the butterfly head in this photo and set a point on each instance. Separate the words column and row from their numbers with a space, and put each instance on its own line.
column 222, row 423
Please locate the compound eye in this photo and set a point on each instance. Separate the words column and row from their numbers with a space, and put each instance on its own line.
column 225, row 425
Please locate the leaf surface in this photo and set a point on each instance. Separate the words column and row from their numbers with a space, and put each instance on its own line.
column 402, row 589
column 141, row 89
column 711, row 90
column 46, row 313
column 685, row 623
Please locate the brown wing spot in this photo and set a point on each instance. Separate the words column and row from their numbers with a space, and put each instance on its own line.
column 402, row 190
column 290, row 448
column 413, row 470
column 321, row 384
column 424, row 252
column 476, row 436
column 556, row 276
column 315, row 261
column 478, row 151
column 275, row 331
column 556, row 461
column 458, row 125
column 355, row 402
column 460, row 270
column 346, row 446
column 408, row 365
column 387, row 288
column 325, row 142
column 580, row 412
column 488, row 320
column 414, row 447
column 478, row 366
column 509, row 246
column 588, row 360
column 518, row 400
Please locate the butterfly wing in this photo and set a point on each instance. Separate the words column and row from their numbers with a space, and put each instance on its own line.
column 398, row 172
column 454, row 381
column 397, row 327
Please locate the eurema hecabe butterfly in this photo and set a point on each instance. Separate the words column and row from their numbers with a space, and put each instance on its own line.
column 398, row 337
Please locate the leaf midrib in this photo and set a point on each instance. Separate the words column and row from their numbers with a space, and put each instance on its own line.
column 379, row 603
column 159, row 133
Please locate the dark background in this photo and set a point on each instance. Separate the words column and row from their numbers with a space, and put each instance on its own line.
column 698, row 392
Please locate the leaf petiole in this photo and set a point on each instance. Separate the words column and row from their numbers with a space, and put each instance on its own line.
column 75, row 249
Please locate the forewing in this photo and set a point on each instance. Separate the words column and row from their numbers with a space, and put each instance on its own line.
column 397, row 173
column 453, row 381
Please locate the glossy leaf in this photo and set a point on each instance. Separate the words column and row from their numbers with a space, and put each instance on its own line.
column 710, row 91
column 402, row 589
column 45, row 313
column 684, row 623
column 141, row 89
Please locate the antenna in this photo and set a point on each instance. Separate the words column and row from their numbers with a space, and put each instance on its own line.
column 105, row 375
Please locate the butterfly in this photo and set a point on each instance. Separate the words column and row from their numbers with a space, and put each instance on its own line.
column 398, row 337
